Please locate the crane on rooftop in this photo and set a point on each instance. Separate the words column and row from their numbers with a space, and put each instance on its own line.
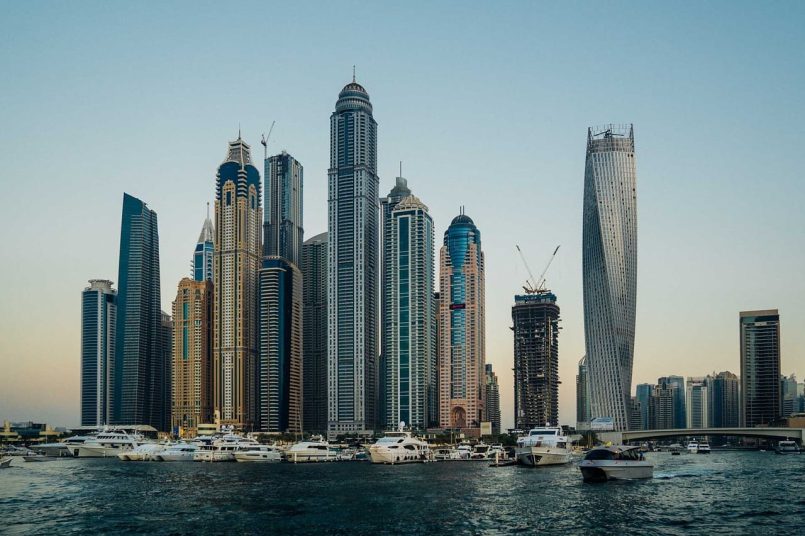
column 536, row 286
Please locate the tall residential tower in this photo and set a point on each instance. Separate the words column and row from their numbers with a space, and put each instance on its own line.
column 761, row 401
column 609, row 270
column 98, row 318
column 314, row 329
column 353, row 264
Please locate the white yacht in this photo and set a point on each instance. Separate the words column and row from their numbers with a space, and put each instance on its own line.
column 703, row 448
column 224, row 448
column 260, row 453
column 620, row 462
column 141, row 453
column 446, row 454
column 787, row 447
column 399, row 447
column 5, row 463
column 544, row 446
column 108, row 444
column 480, row 451
column 693, row 446
column 177, row 452
column 464, row 451
column 314, row 450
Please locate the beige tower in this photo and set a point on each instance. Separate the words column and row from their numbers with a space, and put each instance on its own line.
column 462, row 341
column 238, row 221
column 191, row 374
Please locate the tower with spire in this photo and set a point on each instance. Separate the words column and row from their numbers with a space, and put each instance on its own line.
column 205, row 247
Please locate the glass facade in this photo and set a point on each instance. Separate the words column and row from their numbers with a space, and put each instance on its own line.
column 98, row 318
column 314, row 347
column 282, row 224
column 761, row 400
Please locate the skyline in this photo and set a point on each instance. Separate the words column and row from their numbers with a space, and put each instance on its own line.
column 698, row 250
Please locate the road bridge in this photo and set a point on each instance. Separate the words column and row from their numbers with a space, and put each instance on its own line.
column 778, row 433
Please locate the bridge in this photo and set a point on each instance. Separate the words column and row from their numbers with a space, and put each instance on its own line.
column 796, row 434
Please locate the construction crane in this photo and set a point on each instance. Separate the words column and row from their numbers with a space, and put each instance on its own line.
column 264, row 141
column 536, row 286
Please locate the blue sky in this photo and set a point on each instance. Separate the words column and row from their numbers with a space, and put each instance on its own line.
column 487, row 105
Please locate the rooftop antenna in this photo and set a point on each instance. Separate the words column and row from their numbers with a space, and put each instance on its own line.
column 400, row 168
column 208, row 210
column 264, row 141
column 353, row 74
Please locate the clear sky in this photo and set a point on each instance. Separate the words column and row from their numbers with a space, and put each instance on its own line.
column 487, row 105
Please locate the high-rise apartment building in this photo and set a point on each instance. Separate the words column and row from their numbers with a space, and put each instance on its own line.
column 191, row 386
column 492, row 399
column 462, row 339
column 139, row 370
column 662, row 406
column 409, row 337
column 279, row 370
column 283, row 230
column 788, row 394
column 165, row 396
column 724, row 404
column 238, row 249
column 582, row 396
column 98, row 323
column 203, row 256
column 535, row 320
column 643, row 395
column 609, row 270
column 760, row 367
column 353, row 214
column 314, row 328
column 678, row 385
column 697, row 403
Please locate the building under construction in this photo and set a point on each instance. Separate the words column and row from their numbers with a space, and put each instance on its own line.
column 536, row 359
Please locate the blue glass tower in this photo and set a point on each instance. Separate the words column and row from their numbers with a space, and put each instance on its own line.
column 205, row 248
column 353, row 215
column 139, row 372
column 98, row 317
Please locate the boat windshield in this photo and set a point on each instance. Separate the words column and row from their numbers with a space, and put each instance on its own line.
column 600, row 454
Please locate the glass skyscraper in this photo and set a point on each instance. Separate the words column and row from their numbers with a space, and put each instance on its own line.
column 409, row 334
column 314, row 328
column 609, row 270
column 353, row 208
column 238, row 249
column 282, row 225
column 492, row 399
column 761, row 401
column 582, row 396
column 98, row 318
column 462, row 341
column 696, row 403
column 724, row 405
column 139, row 372
column 203, row 254
column 535, row 319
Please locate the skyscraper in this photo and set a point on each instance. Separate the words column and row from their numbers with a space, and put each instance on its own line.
column 677, row 383
column 724, row 403
column 205, row 248
column 387, row 204
column 788, row 394
column 238, row 214
column 282, row 227
column 98, row 318
column 536, row 360
column 139, row 371
column 314, row 327
column 492, row 399
column 462, row 340
column 279, row 368
column 192, row 355
column 760, row 367
column 353, row 264
column 662, row 407
column 409, row 338
column 609, row 269
column 165, row 396
column 697, row 402
column 643, row 395
column 582, row 396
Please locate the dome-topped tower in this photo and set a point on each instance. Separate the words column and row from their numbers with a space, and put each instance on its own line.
column 353, row 97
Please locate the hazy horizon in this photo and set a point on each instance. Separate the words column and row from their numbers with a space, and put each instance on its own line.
column 487, row 106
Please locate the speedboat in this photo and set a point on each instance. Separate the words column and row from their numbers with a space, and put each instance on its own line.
column 399, row 447
column 675, row 449
column 787, row 447
column 5, row 463
column 314, row 450
column 177, row 452
column 544, row 446
column 109, row 444
column 141, row 453
column 260, row 453
column 38, row 458
column 693, row 447
column 620, row 462
column 704, row 448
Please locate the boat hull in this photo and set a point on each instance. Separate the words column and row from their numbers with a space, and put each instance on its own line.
column 98, row 452
column 601, row 470
column 539, row 456
column 263, row 457
column 394, row 456
column 305, row 457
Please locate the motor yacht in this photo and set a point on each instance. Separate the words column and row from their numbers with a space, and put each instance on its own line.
column 223, row 449
column 480, row 451
column 5, row 463
column 260, row 453
column 400, row 447
column 693, row 447
column 675, row 449
column 544, row 446
column 620, row 462
column 787, row 447
column 178, row 452
column 446, row 454
column 703, row 448
column 141, row 453
column 38, row 458
column 109, row 444
column 314, row 450
column 464, row 451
